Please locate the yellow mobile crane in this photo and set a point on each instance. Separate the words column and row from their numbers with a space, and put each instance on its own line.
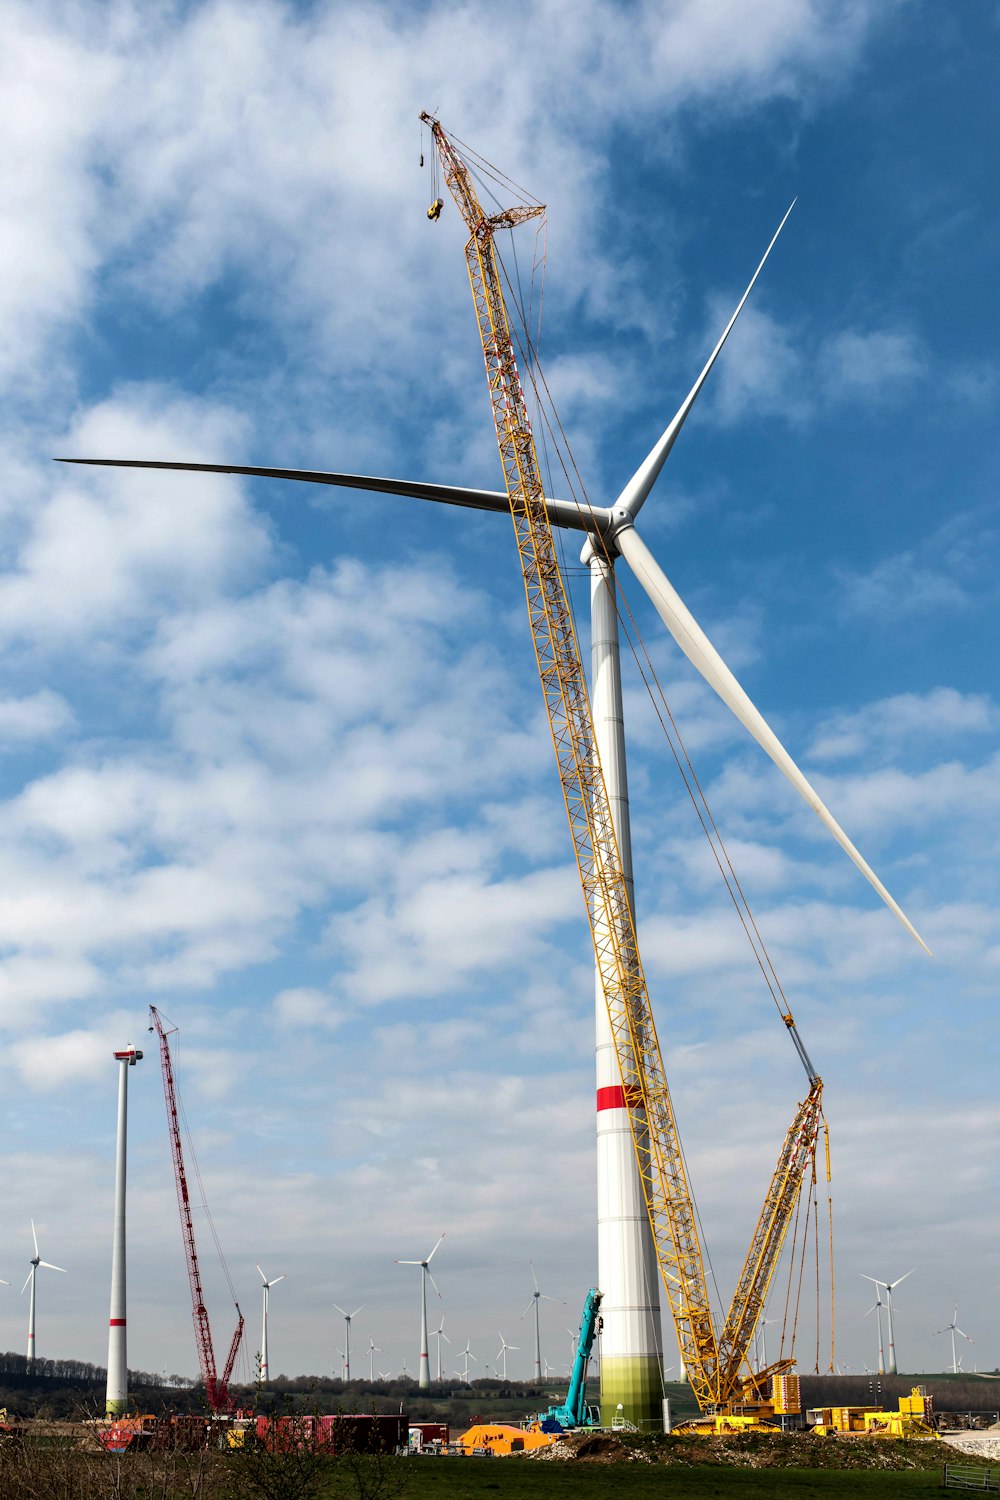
column 714, row 1361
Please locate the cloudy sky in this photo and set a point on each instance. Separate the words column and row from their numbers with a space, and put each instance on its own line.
column 274, row 758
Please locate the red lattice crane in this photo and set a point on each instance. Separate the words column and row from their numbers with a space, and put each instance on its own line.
column 216, row 1387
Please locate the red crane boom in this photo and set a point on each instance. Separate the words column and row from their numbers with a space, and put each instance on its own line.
column 216, row 1389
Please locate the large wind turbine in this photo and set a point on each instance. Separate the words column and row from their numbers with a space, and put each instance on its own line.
column 347, row 1340
column 35, row 1263
column 266, row 1289
column 889, row 1286
column 536, row 1298
column 424, row 1380
column 627, row 1266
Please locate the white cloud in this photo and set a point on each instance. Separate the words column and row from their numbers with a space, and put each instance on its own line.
column 874, row 365
column 38, row 716
column 887, row 727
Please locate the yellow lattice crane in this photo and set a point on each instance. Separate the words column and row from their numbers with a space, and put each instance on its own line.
column 714, row 1362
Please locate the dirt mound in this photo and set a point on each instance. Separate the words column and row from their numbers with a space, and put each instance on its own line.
column 593, row 1447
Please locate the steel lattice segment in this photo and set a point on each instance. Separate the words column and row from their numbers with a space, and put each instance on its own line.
column 797, row 1153
column 654, row 1128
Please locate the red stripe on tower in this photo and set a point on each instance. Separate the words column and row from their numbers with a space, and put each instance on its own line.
column 616, row 1097
column 117, row 1322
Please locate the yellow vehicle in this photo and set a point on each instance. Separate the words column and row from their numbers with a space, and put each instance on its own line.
column 911, row 1419
column 502, row 1438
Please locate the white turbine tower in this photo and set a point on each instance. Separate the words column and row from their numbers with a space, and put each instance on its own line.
column 876, row 1308
column 347, row 1339
column 117, row 1387
column 627, row 1266
column 373, row 1349
column 889, row 1286
column 266, row 1289
column 425, row 1275
column 36, row 1262
column 953, row 1328
column 536, row 1298
column 502, row 1354
column 439, row 1334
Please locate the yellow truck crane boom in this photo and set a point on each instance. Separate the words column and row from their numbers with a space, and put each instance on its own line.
column 713, row 1364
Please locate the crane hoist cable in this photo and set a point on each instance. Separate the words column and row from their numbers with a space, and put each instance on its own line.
column 713, row 1363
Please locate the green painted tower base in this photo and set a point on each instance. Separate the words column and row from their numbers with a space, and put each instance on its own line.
column 116, row 1408
column 631, row 1390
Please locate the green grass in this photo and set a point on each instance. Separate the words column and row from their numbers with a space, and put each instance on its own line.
column 484, row 1479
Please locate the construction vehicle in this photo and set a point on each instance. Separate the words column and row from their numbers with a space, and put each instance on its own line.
column 911, row 1419
column 574, row 1412
column 216, row 1387
column 714, row 1360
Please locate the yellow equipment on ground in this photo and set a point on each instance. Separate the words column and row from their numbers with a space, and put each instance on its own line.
column 503, row 1438
column 910, row 1419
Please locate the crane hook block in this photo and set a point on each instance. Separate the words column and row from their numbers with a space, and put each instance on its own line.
column 434, row 212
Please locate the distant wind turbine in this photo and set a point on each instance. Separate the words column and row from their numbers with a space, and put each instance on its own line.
column 347, row 1319
column 889, row 1285
column 953, row 1328
column 36, row 1262
column 440, row 1334
column 466, row 1354
column 502, row 1354
column 536, row 1298
column 373, row 1349
column 263, row 1334
column 876, row 1308
column 425, row 1276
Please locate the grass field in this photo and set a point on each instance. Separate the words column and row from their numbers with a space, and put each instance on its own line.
column 491, row 1479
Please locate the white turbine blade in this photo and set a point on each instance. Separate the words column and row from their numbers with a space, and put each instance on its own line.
column 444, row 1335
column 405, row 1263
column 34, row 1236
column 3, row 1282
column 263, row 1277
column 964, row 1335
column 50, row 1267
column 515, row 1347
column 895, row 1284
column 339, row 1309
column 634, row 495
column 277, row 1279
column 702, row 654
column 873, row 1279
column 534, row 1278
column 358, row 1309
column 434, row 1251
column 433, row 1283
column 942, row 1330
column 872, row 1309
column 25, row 1287
column 528, row 1308
column 565, row 513
column 551, row 1299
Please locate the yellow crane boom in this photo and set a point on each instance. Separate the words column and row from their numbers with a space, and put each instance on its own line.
column 713, row 1364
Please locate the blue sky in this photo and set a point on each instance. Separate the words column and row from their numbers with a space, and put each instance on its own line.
column 274, row 760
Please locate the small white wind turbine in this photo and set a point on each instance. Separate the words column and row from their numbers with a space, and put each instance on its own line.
column 263, row 1335
column 425, row 1275
column 36, row 1262
column 889, row 1287
column 502, row 1354
column 953, row 1328
column 466, row 1354
column 761, row 1337
column 347, row 1351
column 373, row 1349
column 439, row 1334
column 876, row 1308
column 536, row 1298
